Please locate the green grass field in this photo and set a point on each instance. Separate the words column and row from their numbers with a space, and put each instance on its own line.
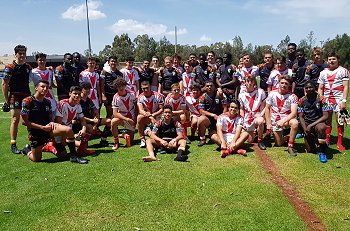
column 117, row 191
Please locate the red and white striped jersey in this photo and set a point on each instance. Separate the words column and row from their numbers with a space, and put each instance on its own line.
column 280, row 104
column 251, row 103
column 36, row 75
column 187, row 81
column 333, row 83
column 244, row 71
column 151, row 104
column 275, row 77
column 192, row 105
column 176, row 104
column 125, row 104
column 229, row 125
column 93, row 78
column 130, row 76
column 68, row 112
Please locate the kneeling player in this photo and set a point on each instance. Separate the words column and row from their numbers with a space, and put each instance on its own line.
column 36, row 113
column 281, row 111
column 230, row 135
column 313, row 113
column 123, row 105
column 166, row 134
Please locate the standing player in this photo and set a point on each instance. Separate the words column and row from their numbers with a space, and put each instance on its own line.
column 65, row 77
column 298, row 73
column 247, row 69
column 265, row 70
column 314, row 69
column 253, row 110
column 211, row 60
column 168, row 76
column 281, row 111
column 187, row 80
column 107, row 84
column 203, row 72
column 313, row 113
column 77, row 66
column 291, row 50
column 177, row 64
column 230, row 134
column 275, row 76
column 147, row 74
column 150, row 104
column 123, row 112
column 36, row 114
column 334, row 85
column 15, row 87
column 166, row 134
column 192, row 104
column 131, row 76
column 91, row 76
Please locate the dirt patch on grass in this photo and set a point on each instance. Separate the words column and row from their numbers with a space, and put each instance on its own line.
column 301, row 207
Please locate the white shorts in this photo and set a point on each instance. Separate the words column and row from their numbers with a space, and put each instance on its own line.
column 228, row 137
column 128, row 126
column 250, row 127
column 334, row 107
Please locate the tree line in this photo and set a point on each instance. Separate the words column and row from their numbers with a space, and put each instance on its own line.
column 144, row 47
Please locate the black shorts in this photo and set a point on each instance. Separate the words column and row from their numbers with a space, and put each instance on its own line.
column 16, row 100
column 38, row 139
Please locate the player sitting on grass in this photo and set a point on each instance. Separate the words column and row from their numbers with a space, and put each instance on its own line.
column 166, row 134
column 36, row 114
column 230, row 134
column 313, row 113
column 123, row 105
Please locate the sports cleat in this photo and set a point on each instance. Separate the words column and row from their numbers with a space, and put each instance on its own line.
column 104, row 143
column 323, row 157
column 143, row 143
column 292, row 152
column 340, row 147
column 15, row 150
column 201, row 143
column 49, row 148
column 182, row 158
column 115, row 147
column 224, row 153
column 162, row 150
column 299, row 136
column 262, row 146
column 26, row 149
column 79, row 160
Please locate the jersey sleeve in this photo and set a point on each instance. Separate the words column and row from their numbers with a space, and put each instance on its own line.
column 321, row 78
column 26, row 106
column 293, row 99
column 325, row 104
column 269, row 99
column 79, row 111
column 8, row 71
column 201, row 104
column 178, row 127
column 300, row 106
column 58, row 73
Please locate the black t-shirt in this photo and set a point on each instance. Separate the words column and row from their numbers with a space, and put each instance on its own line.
column 109, row 77
column 312, row 110
column 298, row 70
column 66, row 74
column 168, row 77
column 213, row 104
column 165, row 130
column 146, row 75
column 19, row 77
column 88, row 108
column 228, row 73
column 202, row 74
column 264, row 73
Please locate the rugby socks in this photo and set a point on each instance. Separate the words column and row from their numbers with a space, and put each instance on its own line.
column 71, row 145
column 340, row 136
column 116, row 140
column 290, row 144
column 328, row 134
column 322, row 145
column 260, row 139
column 13, row 142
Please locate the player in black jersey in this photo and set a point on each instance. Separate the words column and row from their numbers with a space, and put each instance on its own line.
column 78, row 67
column 211, row 105
column 167, row 76
column 291, row 50
column 147, row 74
column 265, row 70
column 314, row 69
column 203, row 72
column 167, row 134
column 15, row 87
column 65, row 77
column 313, row 112
column 36, row 114
column 107, row 87
column 298, row 74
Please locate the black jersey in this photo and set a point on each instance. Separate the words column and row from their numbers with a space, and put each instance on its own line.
column 227, row 73
column 312, row 110
column 38, row 112
column 18, row 75
column 88, row 108
column 168, row 77
column 164, row 130
column 145, row 75
column 66, row 74
column 313, row 71
column 298, row 73
column 213, row 104
column 203, row 74
column 264, row 73
column 109, row 77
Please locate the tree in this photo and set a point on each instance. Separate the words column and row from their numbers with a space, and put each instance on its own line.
column 105, row 53
column 165, row 48
column 122, row 47
column 308, row 43
column 282, row 46
column 145, row 47
column 341, row 45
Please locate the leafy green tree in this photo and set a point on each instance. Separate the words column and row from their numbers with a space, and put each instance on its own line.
column 105, row 53
column 164, row 48
column 122, row 47
column 282, row 46
column 341, row 45
column 145, row 47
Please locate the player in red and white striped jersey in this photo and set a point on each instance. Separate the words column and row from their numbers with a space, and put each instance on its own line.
column 192, row 102
column 275, row 75
column 131, row 76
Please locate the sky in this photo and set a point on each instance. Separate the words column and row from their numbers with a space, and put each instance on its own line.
column 57, row 27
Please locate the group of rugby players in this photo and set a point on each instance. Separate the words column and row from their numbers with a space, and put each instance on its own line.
column 295, row 97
